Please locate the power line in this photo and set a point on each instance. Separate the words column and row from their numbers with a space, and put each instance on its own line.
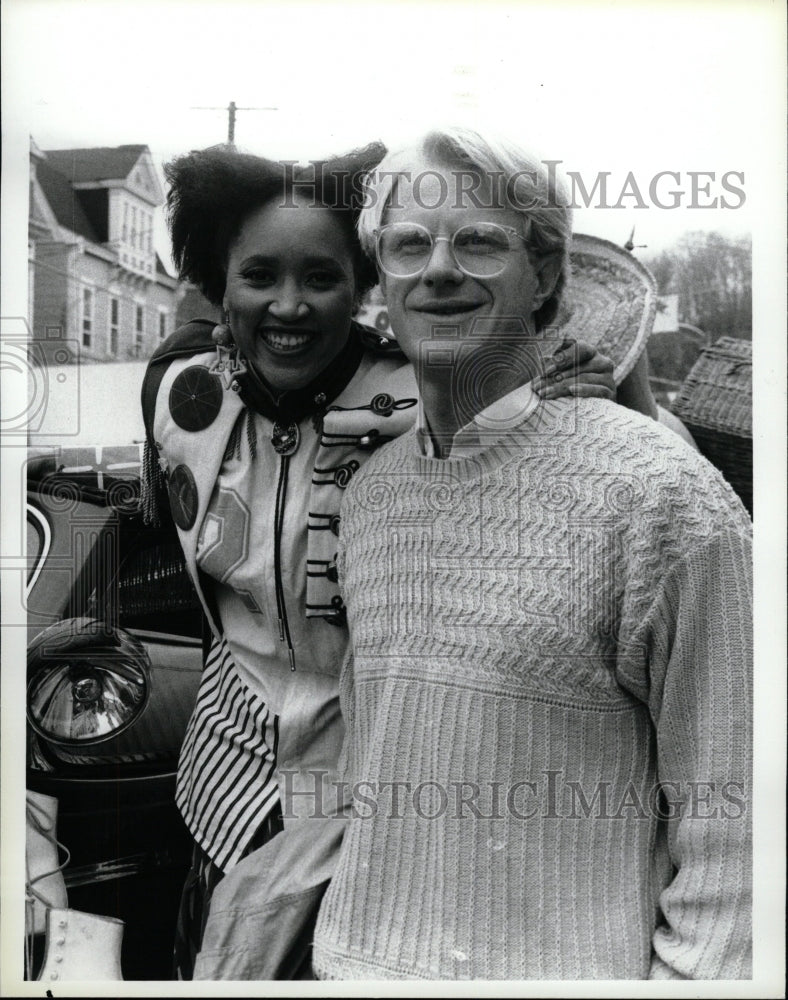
column 95, row 285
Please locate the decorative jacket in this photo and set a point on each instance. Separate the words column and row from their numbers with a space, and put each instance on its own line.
column 198, row 412
column 191, row 422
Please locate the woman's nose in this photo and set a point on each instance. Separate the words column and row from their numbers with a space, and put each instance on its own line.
column 288, row 304
column 442, row 267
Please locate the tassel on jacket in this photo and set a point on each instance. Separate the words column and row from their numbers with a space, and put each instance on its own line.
column 152, row 486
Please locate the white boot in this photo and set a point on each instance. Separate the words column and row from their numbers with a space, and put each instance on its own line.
column 81, row 946
column 41, row 858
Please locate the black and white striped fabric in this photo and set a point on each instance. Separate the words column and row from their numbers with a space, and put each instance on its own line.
column 226, row 776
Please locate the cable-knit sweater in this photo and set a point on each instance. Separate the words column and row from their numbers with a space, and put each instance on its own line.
column 552, row 657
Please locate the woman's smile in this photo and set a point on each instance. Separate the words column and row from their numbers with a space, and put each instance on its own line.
column 284, row 340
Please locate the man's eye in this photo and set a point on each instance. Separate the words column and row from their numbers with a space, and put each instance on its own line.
column 411, row 242
column 481, row 241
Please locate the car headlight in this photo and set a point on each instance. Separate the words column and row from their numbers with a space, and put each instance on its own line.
column 86, row 682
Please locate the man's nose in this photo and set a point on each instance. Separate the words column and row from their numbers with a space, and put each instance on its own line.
column 442, row 266
column 288, row 303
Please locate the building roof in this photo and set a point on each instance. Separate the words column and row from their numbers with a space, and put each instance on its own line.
column 36, row 153
column 99, row 163
column 64, row 202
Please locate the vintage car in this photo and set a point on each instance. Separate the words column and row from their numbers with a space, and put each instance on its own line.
column 114, row 660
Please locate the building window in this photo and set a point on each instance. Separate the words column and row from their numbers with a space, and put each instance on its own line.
column 139, row 329
column 134, row 227
column 114, row 325
column 150, row 234
column 87, row 316
column 125, row 222
column 163, row 323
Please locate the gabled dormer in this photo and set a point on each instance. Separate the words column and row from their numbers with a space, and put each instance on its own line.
column 143, row 181
column 115, row 194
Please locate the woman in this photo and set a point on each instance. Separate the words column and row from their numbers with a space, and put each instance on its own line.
column 258, row 425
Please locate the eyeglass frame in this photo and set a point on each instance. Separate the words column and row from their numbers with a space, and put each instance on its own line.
column 509, row 230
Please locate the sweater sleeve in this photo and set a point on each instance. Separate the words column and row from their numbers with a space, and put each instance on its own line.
column 695, row 646
column 345, row 767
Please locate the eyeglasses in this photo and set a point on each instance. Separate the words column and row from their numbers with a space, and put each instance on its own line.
column 481, row 249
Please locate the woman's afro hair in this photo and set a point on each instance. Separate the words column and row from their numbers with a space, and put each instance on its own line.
column 212, row 191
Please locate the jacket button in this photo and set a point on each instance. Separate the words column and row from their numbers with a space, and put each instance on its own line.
column 382, row 404
column 344, row 473
column 368, row 440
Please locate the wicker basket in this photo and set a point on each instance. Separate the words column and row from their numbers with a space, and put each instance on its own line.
column 715, row 402
column 610, row 302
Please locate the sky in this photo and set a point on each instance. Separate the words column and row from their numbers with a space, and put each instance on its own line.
column 616, row 88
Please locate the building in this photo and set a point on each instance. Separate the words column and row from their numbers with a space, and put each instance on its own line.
column 97, row 287
column 192, row 304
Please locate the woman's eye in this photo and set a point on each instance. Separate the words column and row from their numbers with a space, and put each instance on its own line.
column 258, row 275
column 322, row 279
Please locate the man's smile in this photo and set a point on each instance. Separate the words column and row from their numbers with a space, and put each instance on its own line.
column 447, row 307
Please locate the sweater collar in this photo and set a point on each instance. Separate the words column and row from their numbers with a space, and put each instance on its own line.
column 296, row 404
column 503, row 416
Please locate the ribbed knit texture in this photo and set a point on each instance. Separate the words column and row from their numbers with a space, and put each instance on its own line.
column 571, row 608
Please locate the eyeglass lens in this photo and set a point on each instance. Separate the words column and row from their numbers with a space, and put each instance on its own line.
column 481, row 250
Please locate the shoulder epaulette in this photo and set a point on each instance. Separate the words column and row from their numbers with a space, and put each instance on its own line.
column 192, row 338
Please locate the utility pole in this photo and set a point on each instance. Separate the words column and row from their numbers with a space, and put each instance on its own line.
column 231, row 109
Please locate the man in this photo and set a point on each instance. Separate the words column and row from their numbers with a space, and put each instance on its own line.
column 548, row 703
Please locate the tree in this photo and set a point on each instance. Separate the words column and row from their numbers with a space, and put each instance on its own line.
column 712, row 274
